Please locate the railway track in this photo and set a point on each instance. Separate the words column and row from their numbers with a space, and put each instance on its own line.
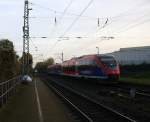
column 145, row 94
column 126, row 88
column 86, row 109
column 131, row 90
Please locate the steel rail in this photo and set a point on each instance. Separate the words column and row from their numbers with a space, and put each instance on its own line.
column 137, row 92
column 68, row 101
column 97, row 103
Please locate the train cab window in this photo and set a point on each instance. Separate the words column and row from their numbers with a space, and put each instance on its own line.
column 94, row 63
column 108, row 61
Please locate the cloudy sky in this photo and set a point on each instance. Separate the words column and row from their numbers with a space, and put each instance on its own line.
column 127, row 21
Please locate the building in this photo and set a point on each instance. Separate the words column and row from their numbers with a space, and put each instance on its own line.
column 133, row 55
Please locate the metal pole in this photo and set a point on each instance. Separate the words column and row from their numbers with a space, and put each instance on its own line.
column 97, row 50
column 26, row 39
column 62, row 57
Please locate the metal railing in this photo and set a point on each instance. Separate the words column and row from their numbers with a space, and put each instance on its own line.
column 7, row 89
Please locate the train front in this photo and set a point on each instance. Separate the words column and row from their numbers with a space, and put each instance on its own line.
column 110, row 67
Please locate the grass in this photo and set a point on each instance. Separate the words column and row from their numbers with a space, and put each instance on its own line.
column 140, row 81
column 142, row 78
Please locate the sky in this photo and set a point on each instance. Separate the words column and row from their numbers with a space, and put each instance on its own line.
column 127, row 21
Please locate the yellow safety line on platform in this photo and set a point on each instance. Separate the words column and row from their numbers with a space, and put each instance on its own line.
column 38, row 103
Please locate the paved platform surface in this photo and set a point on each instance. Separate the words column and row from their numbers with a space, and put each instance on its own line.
column 35, row 102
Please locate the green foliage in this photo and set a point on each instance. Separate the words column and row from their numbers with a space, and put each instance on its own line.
column 49, row 61
column 30, row 61
column 140, row 81
column 6, row 45
column 30, row 58
column 42, row 66
column 9, row 64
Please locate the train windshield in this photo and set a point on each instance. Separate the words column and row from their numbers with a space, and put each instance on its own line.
column 109, row 61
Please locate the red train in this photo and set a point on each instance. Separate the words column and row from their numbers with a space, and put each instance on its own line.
column 89, row 66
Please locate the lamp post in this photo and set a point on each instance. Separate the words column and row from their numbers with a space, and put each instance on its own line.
column 97, row 50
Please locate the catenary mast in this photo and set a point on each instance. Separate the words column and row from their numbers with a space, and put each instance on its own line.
column 25, row 68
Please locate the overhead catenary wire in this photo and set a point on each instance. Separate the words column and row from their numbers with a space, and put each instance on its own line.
column 37, row 53
column 99, row 37
column 127, row 27
column 108, row 23
column 110, row 20
column 135, row 23
column 76, row 15
column 63, row 14
column 36, row 48
column 74, row 22
column 61, row 18
column 65, row 11
column 126, row 13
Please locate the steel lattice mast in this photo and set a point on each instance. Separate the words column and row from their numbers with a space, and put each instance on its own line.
column 26, row 39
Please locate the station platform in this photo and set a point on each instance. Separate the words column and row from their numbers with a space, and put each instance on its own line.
column 35, row 102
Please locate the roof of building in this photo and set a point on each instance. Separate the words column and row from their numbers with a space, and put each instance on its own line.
column 135, row 48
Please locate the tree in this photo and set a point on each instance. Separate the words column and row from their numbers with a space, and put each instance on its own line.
column 9, row 64
column 49, row 61
column 30, row 61
column 42, row 66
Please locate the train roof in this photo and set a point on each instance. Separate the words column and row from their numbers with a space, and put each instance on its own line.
column 99, row 55
column 88, row 56
column 104, row 55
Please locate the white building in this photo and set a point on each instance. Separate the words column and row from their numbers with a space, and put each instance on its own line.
column 133, row 55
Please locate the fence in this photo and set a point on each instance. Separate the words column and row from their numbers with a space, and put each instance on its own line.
column 7, row 89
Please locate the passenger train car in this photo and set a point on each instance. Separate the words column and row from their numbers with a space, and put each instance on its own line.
column 89, row 66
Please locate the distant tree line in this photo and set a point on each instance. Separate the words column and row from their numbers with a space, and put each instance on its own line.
column 41, row 67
